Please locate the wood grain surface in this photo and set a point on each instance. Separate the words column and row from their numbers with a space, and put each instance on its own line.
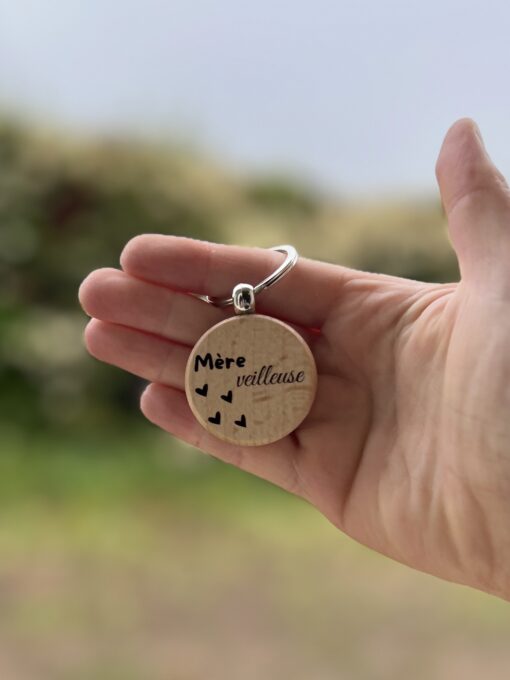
column 251, row 380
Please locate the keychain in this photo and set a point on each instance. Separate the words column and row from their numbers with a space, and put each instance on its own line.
column 251, row 379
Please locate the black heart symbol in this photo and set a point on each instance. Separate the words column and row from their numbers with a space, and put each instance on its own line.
column 241, row 422
column 215, row 419
column 202, row 391
column 227, row 396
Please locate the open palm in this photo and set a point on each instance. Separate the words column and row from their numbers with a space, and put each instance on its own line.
column 407, row 446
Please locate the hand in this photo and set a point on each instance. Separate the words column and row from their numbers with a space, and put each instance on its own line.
column 407, row 447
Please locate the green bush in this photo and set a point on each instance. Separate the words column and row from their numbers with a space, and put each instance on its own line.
column 68, row 206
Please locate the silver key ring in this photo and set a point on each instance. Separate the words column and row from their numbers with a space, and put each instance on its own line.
column 284, row 268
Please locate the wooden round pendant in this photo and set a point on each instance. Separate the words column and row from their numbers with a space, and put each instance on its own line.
column 251, row 380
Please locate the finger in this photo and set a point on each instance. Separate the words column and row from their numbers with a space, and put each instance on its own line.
column 147, row 356
column 112, row 295
column 304, row 296
column 476, row 200
column 169, row 409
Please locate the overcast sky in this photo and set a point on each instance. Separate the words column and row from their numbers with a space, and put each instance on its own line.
column 355, row 96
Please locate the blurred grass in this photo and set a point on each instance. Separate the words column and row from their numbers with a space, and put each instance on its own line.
column 144, row 560
column 107, row 468
column 124, row 554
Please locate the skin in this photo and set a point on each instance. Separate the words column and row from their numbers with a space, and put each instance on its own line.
column 407, row 446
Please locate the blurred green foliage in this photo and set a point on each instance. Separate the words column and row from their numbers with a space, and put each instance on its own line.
column 121, row 557
column 65, row 209
column 69, row 205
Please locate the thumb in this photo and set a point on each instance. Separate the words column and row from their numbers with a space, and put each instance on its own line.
column 476, row 199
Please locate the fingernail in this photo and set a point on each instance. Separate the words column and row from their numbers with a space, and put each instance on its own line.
column 478, row 132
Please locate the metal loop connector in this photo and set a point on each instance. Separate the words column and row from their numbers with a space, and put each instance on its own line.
column 244, row 299
column 284, row 268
